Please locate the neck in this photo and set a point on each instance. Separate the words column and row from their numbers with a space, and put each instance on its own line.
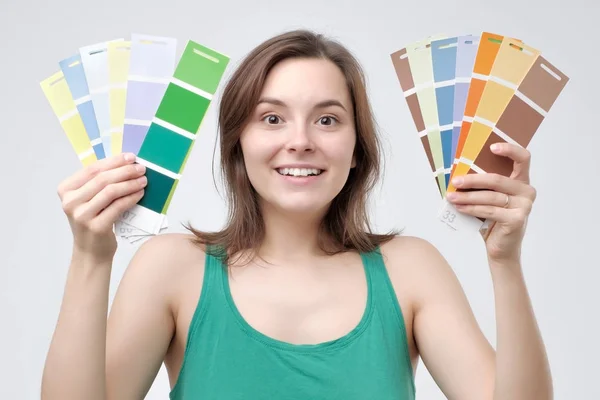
column 290, row 237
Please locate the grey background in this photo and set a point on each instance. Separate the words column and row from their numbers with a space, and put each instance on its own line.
column 560, row 250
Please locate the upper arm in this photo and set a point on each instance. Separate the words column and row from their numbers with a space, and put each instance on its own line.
column 140, row 324
column 450, row 342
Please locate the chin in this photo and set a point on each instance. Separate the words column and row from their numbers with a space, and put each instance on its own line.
column 299, row 206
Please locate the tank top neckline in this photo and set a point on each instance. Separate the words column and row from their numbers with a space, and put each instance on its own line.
column 328, row 345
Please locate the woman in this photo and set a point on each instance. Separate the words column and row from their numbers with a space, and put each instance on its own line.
column 294, row 298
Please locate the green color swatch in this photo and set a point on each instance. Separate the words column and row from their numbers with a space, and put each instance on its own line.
column 165, row 148
column 201, row 67
column 182, row 108
column 156, row 191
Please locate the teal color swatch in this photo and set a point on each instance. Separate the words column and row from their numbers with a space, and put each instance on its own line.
column 165, row 148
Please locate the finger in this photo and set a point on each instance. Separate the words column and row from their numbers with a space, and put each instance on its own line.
column 86, row 174
column 520, row 156
column 495, row 182
column 513, row 218
column 91, row 188
column 513, row 151
column 493, row 213
column 482, row 197
column 115, row 209
column 491, row 199
column 111, row 193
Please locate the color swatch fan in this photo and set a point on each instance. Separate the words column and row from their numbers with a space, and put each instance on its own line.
column 135, row 96
column 465, row 93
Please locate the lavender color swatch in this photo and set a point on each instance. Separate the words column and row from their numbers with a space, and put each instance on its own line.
column 132, row 141
column 143, row 99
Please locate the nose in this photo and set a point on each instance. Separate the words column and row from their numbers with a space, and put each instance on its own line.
column 299, row 139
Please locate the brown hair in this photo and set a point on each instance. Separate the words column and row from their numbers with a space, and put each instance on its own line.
column 346, row 224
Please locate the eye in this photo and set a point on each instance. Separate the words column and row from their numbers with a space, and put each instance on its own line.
column 271, row 119
column 327, row 120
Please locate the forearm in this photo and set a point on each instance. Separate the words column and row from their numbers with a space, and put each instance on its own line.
column 75, row 366
column 522, row 370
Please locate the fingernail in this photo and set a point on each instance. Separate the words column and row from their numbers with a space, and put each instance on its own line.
column 140, row 168
column 457, row 181
column 142, row 180
column 495, row 147
column 129, row 156
column 451, row 195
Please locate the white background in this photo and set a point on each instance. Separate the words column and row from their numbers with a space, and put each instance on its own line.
column 560, row 251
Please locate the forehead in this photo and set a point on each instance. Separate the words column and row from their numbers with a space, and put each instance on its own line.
column 301, row 79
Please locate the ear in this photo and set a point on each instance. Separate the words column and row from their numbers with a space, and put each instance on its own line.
column 353, row 161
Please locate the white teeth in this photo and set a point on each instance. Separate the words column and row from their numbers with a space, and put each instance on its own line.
column 299, row 171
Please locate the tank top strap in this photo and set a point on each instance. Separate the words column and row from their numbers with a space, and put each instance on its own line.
column 212, row 291
column 384, row 295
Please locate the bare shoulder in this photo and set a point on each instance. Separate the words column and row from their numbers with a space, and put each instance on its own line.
column 419, row 265
column 165, row 259
column 411, row 248
column 169, row 246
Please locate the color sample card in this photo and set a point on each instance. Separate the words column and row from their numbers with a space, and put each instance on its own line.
column 405, row 78
column 482, row 89
column 419, row 58
column 173, row 130
column 118, row 70
column 152, row 65
column 523, row 115
column 95, row 64
column 119, row 57
column 466, row 52
column 443, row 58
column 72, row 69
column 512, row 63
column 61, row 101
column 489, row 45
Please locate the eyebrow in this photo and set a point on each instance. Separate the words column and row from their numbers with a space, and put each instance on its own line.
column 322, row 104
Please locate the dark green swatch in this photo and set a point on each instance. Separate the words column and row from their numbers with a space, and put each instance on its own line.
column 165, row 148
column 182, row 108
column 157, row 190
column 201, row 67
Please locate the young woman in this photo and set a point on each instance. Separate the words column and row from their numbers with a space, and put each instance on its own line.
column 295, row 298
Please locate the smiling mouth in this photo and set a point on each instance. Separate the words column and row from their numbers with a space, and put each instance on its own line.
column 299, row 172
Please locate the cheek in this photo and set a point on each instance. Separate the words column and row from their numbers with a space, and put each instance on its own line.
column 257, row 153
column 340, row 153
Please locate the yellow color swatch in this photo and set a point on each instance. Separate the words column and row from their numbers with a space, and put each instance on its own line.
column 59, row 96
column 118, row 70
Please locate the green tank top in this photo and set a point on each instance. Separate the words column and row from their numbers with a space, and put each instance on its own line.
column 226, row 359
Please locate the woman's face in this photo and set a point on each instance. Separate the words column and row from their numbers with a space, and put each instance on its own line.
column 298, row 146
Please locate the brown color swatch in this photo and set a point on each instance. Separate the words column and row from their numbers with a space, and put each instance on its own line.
column 404, row 74
column 520, row 121
column 540, row 86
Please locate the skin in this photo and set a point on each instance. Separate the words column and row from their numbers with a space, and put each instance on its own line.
column 144, row 331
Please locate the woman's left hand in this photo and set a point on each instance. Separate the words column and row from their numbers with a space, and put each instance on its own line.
column 505, row 201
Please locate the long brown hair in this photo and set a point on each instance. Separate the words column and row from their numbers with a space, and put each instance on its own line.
column 346, row 224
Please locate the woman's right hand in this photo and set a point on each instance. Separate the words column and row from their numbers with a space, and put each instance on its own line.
column 95, row 197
